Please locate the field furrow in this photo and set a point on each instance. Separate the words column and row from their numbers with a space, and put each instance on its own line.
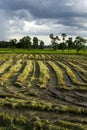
column 44, row 76
column 31, row 81
column 71, row 75
column 22, row 77
column 53, row 76
column 5, row 65
column 12, row 70
column 43, row 92
column 58, row 72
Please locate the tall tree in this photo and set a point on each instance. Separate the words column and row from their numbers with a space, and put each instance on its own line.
column 4, row 44
column 51, row 36
column 63, row 44
column 12, row 43
column 25, row 42
column 35, row 42
column 70, row 43
column 63, row 36
column 54, row 41
column 79, row 43
column 41, row 45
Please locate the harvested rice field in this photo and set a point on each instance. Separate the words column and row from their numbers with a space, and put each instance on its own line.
column 43, row 92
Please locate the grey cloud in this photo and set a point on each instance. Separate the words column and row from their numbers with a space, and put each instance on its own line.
column 52, row 9
column 43, row 12
column 4, row 26
column 39, row 8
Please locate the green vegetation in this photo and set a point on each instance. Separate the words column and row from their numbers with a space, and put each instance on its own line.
column 38, row 51
column 79, row 43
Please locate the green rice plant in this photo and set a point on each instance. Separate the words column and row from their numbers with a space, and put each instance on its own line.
column 71, row 74
column 44, row 76
column 58, row 72
column 12, row 70
column 22, row 77
column 5, row 65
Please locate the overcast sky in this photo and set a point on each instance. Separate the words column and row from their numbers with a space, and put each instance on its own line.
column 42, row 17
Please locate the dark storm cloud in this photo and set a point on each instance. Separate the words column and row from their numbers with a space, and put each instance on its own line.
column 40, row 8
column 4, row 25
column 67, row 13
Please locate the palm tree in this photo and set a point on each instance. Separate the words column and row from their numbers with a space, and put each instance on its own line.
column 54, row 41
column 79, row 43
column 63, row 36
column 70, row 43
column 51, row 36
column 63, row 43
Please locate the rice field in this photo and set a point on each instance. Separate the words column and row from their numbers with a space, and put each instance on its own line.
column 43, row 92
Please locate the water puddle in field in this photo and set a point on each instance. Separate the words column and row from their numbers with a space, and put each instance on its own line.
column 77, row 76
column 74, row 72
column 36, row 76
column 53, row 80
column 67, row 79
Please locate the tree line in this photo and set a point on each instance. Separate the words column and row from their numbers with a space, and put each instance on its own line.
column 78, row 43
column 26, row 42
